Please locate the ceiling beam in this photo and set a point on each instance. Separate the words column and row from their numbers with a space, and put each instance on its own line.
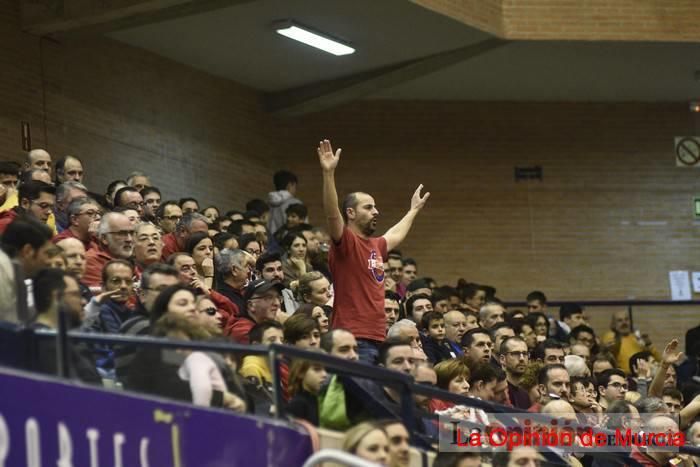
column 327, row 94
column 77, row 18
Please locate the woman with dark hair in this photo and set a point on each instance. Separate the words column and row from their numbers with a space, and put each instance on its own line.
column 295, row 263
column 201, row 248
column 539, row 323
column 305, row 381
column 250, row 243
column 212, row 214
column 316, row 312
column 174, row 299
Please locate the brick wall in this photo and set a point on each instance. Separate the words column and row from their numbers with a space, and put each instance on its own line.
column 574, row 235
column 122, row 109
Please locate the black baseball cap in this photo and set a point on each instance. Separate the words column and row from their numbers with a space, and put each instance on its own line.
column 260, row 286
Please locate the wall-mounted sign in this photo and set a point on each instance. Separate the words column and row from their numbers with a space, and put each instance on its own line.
column 687, row 151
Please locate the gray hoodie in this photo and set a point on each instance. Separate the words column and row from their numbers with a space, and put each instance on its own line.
column 279, row 201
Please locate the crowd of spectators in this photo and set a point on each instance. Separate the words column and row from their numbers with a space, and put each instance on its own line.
column 128, row 262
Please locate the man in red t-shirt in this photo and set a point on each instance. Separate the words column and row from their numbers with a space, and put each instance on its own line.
column 356, row 258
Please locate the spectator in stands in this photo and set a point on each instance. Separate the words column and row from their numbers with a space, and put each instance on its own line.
column 399, row 442
column 234, row 268
column 340, row 343
column 116, row 241
column 148, row 246
column 477, row 346
column 251, row 244
column 305, row 381
column 474, row 297
column 151, row 203
column 168, row 216
column 490, row 314
column 654, row 456
column 407, row 330
column 441, row 300
column 583, row 394
column 177, row 241
column 435, row 345
column 524, row 330
column 539, row 323
column 296, row 215
column 582, row 351
column 367, row 441
column 189, row 205
column 314, row 288
column 56, row 257
column 419, row 287
column 536, row 302
column 262, row 303
column 9, row 179
column 416, row 306
column 38, row 159
column 576, row 366
column 554, row 384
column 66, row 193
column 455, row 328
column 548, row 352
column 452, row 376
column 623, row 343
column 279, row 200
column 483, row 382
column 514, row 358
column 302, row 331
column 612, row 386
column 201, row 248
column 74, row 252
column 392, row 308
column 295, row 263
column 570, row 316
column 641, row 371
column 316, row 313
column 211, row 213
column 255, row 367
column 394, row 268
column 80, row 215
column 129, row 197
column 117, row 277
column 359, row 300
column 112, row 189
column 673, row 399
column 138, row 180
column 36, row 199
column 269, row 267
column 602, row 362
column 26, row 240
column 499, row 333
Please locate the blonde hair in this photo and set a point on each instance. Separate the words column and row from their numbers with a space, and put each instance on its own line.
column 355, row 435
column 304, row 286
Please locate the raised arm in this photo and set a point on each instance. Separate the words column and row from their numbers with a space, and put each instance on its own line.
column 329, row 161
column 395, row 235
column 671, row 356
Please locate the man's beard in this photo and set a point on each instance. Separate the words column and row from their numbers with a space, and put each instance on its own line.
column 368, row 228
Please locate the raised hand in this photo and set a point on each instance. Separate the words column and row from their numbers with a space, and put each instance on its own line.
column 671, row 354
column 418, row 201
column 328, row 159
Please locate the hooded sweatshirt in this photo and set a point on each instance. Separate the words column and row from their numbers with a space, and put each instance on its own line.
column 279, row 201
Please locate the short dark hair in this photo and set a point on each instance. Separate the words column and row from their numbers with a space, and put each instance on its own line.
column 482, row 372
column 148, row 190
column 430, row 316
column 534, row 316
column 267, row 257
column 60, row 164
column 603, row 378
column 24, row 231
column 33, row 189
column 297, row 326
column 161, row 209
column 536, row 295
column 113, row 262
column 539, row 350
column 160, row 306
column 468, row 337
column 388, row 344
column 221, row 238
column 414, row 298
column 543, row 374
column 282, row 178
column 257, row 205
column 246, row 239
column 391, row 295
column 255, row 335
column 349, row 202
column 45, row 283
column 672, row 393
column 184, row 200
column 194, row 239
column 298, row 209
column 289, row 239
column 120, row 192
column 569, row 309
column 10, row 168
column 506, row 342
column 157, row 268
column 584, row 380
column 581, row 328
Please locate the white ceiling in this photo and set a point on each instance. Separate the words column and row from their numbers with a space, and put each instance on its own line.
column 240, row 44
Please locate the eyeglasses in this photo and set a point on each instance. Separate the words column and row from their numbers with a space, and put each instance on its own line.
column 210, row 311
column 135, row 204
column 122, row 233
column 619, row 385
column 268, row 298
column 172, row 218
column 44, row 206
column 518, row 354
column 91, row 213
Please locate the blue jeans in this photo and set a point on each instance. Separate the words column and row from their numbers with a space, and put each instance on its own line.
column 368, row 351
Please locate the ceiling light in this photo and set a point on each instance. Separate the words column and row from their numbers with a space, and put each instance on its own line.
column 314, row 39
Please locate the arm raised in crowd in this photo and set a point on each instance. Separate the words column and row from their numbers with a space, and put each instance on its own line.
column 329, row 161
column 671, row 356
column 395, row 235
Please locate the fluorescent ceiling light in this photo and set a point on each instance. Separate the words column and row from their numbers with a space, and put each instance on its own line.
column 314, row 39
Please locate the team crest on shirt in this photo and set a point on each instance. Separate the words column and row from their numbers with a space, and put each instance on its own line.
column 376, row 266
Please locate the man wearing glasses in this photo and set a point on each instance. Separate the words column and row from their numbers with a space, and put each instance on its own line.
column 81, row 213
column 36, row 199
column 116, row 241
column 263, row 299
column 612, row 386
column 168, row 215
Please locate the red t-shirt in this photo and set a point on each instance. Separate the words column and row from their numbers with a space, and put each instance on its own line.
column 358, row 280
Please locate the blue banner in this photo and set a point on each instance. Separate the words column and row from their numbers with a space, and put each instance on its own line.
column 47, row 422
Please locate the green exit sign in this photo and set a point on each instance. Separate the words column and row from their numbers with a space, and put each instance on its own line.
column 696, row 207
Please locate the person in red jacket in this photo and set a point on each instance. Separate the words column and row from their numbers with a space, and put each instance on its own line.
column 175, row 242
column 263, row 299
column 116, row 241
column 36, row 199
